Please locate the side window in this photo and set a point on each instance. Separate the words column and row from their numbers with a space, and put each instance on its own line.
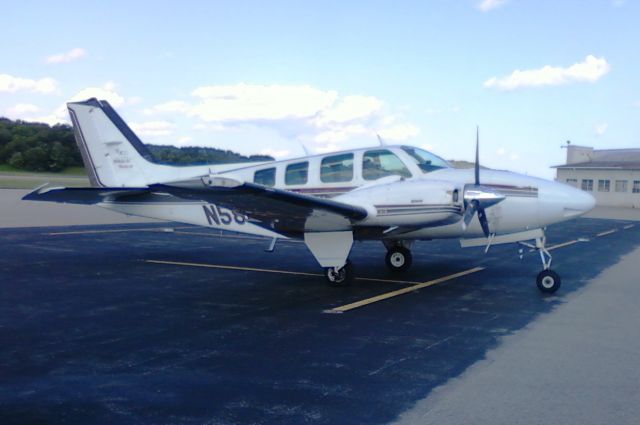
column 297, row 173
column 382, row 163
column 265, row 177
column 337, row 168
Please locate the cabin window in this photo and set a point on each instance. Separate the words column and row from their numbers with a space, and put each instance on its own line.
column 266, row 177
column 604, row 185
column 587, row 185
column 621, row 185
column 426, row 160
column 381, row 163
column 337, row 168
column 297, row 173
column 636, row 186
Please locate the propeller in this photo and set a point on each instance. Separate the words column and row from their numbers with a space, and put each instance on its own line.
column 478, row 197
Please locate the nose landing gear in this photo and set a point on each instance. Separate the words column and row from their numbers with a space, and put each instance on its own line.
column 548, row 281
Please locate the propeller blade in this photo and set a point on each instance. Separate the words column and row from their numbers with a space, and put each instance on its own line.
column 469, row 213
column 482, row 218
column 477, row 165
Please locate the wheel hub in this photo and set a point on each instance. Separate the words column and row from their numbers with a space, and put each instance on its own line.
column 548, row 281
column 397, row 259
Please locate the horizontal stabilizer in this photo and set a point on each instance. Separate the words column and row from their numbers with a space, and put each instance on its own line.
column 82, row 195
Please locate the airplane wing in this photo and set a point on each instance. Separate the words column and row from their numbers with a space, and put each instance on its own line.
column 285, row 212
column 280, row 210
column 82, row 195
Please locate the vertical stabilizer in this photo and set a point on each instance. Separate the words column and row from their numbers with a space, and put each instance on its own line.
column 113, row 155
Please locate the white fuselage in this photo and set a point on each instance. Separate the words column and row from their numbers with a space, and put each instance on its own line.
column 421, row 202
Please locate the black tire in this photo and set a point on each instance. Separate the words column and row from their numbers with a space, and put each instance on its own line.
column 398, row 259
column 548, row 281
column 344, row 276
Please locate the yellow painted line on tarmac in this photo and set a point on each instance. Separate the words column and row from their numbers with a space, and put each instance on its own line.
column 222, row 235
column 628, row 226
column 141, row 229
column 254, row 269
column 402, row 291
column 608, row 232
column 562, row 245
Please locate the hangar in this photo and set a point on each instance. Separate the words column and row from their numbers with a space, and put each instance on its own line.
column 611, row 175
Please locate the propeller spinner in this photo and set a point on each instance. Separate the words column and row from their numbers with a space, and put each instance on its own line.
column 478, row 197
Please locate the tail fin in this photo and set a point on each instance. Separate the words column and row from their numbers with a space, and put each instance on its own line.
column 112, row 154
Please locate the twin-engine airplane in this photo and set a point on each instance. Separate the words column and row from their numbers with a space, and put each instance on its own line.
column 395, row 194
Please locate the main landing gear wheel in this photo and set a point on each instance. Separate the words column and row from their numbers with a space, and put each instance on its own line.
column 548, row 281
column 342, row 277
column 398, row 259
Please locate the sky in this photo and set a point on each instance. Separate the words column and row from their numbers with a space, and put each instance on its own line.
column 288, row 77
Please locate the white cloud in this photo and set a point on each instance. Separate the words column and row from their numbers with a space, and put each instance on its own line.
column 600, row 129
column 100, row 93
column 152, row 128
column 178, row 106
column 618, row 3
column 487, row 5
column 590, row 70
column 243, row 102
column 182, row 141
column 351, row 108
column 12, row 84
column 296, row 112
column 275, row 153
column 71, row 55
column 21, row 110
column 501, row 151
column 399, row 132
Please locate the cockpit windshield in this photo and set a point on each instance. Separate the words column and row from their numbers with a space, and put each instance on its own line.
column 426, row 160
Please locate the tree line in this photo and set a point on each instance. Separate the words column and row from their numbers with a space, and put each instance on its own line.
column 39, row 147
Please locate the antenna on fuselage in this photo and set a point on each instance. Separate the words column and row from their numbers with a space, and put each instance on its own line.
column 382, row 143
column 304, row 148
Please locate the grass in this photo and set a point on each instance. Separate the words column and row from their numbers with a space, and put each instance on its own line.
column 12, row 178
column 69, row 171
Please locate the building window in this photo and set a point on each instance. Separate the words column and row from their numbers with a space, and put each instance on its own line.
column 636, row 186
column 587, row 184
column 604, row 185
column 572, row 182
column 337, row 168
column 621, row 185
column 381, row 163
column 265, row 177
column 297, row 173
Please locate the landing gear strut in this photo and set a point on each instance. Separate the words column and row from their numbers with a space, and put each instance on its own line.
column 398, row 258
column 339, row 276
column 548, row 281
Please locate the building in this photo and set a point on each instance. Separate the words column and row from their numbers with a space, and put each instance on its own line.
column 612, row 176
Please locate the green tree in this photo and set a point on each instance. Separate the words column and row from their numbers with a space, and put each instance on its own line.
column 16, row 161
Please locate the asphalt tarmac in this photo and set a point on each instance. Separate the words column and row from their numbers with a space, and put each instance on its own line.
column 164, row 323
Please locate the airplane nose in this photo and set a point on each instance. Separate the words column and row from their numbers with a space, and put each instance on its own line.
column 576, row 202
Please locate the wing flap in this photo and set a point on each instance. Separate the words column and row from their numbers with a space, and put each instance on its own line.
column 81, row 195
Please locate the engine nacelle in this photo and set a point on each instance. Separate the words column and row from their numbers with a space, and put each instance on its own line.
column 408, row 203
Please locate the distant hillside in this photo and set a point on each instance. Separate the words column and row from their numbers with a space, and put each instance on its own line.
column 40, row 147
